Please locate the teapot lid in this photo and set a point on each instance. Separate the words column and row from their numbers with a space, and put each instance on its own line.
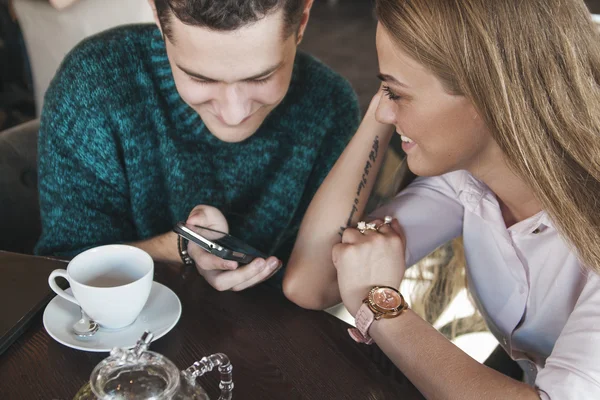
column 135, row 374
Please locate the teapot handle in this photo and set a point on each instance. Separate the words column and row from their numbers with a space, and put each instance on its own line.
column 207, row 364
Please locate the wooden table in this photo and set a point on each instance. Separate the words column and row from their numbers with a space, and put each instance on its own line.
column 278, row 350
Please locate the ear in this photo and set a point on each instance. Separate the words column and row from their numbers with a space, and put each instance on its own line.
column 155, row 14
column 305, row 16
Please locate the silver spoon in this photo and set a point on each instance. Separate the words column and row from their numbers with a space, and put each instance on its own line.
column 85, row 327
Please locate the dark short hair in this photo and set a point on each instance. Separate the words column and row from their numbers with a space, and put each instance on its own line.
column 227, row 15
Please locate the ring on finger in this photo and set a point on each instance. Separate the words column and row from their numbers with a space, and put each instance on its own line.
column 372, row 226
column 386, row 221
column 363, row 226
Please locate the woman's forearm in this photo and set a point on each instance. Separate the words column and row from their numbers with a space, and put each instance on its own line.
column 310, row 279
column 438, row 368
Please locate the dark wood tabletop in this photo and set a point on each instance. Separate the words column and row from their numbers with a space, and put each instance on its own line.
column 278, row 350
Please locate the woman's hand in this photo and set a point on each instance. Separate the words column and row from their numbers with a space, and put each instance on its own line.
column 374, row 104
column 366, row 260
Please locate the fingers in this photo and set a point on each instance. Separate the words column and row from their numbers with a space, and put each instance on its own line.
column 351, row 236
column 272, row 266
column 198, row 217
column 208, row 262
column 378, row 241
column 337, row 252
column 375, row 101
column 392, row 228
column 243, row 277
column 384, row 229
column 397, row 227
column 197, row 212
column 209, row 217
column 392, row 235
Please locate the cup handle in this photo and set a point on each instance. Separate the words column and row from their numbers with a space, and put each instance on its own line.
column 52, row 281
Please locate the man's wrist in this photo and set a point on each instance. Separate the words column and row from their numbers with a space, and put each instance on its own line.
column 162, row 248
column 168, row 245
column 182, row 248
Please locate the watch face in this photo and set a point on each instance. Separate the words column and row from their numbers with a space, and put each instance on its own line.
column 387, row 299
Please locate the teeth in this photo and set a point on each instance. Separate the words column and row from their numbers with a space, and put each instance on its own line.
column 405, row 139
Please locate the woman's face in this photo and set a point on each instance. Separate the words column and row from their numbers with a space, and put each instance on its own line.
column 440, row 132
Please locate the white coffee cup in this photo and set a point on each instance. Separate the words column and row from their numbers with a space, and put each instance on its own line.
column 110, row 283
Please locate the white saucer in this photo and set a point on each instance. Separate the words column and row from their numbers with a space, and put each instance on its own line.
column 159, row 316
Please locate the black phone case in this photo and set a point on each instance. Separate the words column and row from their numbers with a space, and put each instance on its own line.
column 225, row 253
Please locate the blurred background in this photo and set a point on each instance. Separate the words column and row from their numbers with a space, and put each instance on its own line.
column 35, row 35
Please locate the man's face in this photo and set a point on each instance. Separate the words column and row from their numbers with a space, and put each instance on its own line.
column 232, row 79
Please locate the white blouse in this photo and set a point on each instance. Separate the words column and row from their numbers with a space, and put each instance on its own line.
column 538, row 300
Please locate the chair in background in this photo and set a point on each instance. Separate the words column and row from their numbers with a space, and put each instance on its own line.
column 19, row 208
column 50, row 34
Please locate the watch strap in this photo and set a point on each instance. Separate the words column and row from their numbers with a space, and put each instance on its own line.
column 364, row 318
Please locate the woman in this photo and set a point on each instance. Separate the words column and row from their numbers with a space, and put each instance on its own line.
column 498, row 105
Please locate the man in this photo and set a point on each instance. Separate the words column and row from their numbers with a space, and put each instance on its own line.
column 213, row 118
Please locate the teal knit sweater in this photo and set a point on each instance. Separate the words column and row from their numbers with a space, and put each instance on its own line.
column 123, row 158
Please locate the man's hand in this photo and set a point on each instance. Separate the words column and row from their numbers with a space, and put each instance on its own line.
column 223, row 274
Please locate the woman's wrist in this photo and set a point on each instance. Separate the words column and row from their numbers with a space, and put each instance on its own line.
column 354, row 305
column 375, row 128
column 393, row 326
column 362, row 296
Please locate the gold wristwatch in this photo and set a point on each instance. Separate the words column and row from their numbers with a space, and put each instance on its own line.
column 381, row 302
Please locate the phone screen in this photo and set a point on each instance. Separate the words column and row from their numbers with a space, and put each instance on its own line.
column 223, row 239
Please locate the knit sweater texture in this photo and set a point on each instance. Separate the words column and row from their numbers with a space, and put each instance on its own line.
column 122, row 158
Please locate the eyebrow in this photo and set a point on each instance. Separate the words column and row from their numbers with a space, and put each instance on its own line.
column 260, row 75
column 391, row 79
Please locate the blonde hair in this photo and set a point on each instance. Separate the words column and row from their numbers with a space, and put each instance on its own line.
column 532, row 70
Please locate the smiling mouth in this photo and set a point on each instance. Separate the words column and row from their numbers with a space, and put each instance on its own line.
column 406, row 139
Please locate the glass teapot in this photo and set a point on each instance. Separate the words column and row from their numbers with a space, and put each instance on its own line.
column 141, row 374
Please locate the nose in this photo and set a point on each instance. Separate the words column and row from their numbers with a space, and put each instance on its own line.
column 235, row 106
column 385, row 112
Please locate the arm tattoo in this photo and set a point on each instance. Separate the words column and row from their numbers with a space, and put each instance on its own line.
column 363, row 183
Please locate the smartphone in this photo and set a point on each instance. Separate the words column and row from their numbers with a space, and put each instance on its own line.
column 218, row 243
